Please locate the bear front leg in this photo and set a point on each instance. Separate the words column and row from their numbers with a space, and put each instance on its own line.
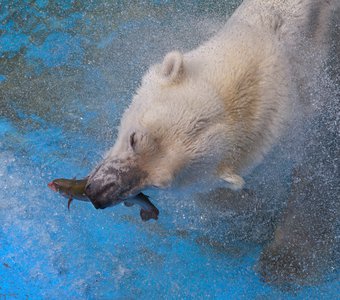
column 304, row 246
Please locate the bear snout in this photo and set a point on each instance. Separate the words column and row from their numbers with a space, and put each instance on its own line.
column 102, row 196
column 113, row 181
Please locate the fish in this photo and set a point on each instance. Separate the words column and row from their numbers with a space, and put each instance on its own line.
column 75, row 189
column 148, row 210
column 70, row 188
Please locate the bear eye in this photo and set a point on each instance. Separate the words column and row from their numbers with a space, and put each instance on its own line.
column 133, row 140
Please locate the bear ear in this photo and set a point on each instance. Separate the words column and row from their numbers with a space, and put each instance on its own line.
column 172, row 67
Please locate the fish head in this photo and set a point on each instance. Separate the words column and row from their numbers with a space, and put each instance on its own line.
column 61, row 186
column 53, row 186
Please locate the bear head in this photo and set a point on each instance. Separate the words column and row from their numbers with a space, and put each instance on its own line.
column 171, row 134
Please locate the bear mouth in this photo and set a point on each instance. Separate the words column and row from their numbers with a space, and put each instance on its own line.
column 104, row 198
column 99, row 203
column 110, row 194
column 114, row 181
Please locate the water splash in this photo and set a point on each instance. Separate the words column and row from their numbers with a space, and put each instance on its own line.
column 66, row 82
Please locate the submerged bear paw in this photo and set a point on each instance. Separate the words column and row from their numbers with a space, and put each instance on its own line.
column 285, row 266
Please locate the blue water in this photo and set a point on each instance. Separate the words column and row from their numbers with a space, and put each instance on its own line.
column 59, row 114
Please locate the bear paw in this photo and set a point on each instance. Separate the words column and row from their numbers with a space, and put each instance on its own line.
column 284, row 267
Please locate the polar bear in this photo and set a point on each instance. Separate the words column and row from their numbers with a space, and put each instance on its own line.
column 210, row 115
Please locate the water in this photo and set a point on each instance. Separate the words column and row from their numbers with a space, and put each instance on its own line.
column 67, row 71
